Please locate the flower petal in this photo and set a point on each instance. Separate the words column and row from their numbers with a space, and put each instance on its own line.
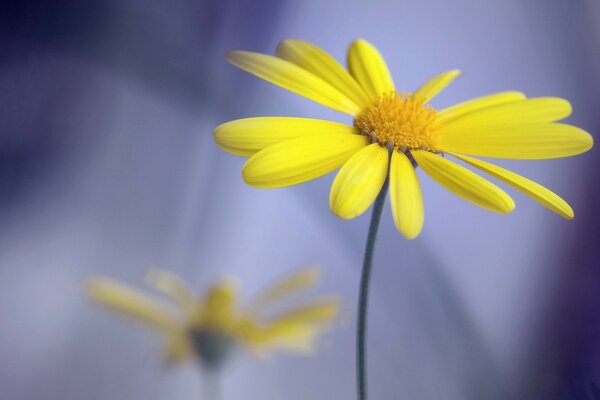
column 464, row 183
column 219, row 306
column 171, row 286
column 405, row 194
column 295, row 338
column 295, row 330
column 178, row 349
column 300, row 160
column 436, row 85
column 359, row 181
column 293, row 78
column 299, row 281
column 540, row 109
column 317, row 312
column 368, row 67
column 322, row 64
column 479, row 103
column 528, row 141
column 532, row 189
column 130, row 302
column 247, row 136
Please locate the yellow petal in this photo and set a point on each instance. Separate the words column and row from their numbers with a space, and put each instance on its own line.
column 319, row 312
column 130, row 302
column 436, row 85
column 540, row 109
column 295, row 332
column 301, row 280
column 464, row 183
column 293, row 78
column 172, row 286
column 405, row 195
column 530, row 188
column 479, row 103
column 295, row 338
column 528, row 141
column 247, row 136
column 323, row 65
column 368, row 67
column 300, row 160
column 359, row 181
column 299, row 340
column 178, row 349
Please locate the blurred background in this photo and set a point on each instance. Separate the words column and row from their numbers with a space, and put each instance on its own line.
column 108, row 167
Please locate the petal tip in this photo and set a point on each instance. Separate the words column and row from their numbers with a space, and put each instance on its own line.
column 247, row 174
column 339, row 210
column 509, row 205
column 567, row 213
column 590, row 141
column 586, row 141
column 218, row 131
column 237, row 57
column 248, row 181
column 410, row 235
column 287, row 41
column 342, row 215
column 280, row 50
column 360, row 41
column 568, row 107
column 232, row 55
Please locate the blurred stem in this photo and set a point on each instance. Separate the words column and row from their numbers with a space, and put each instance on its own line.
column 211, row 384
column 363, row 296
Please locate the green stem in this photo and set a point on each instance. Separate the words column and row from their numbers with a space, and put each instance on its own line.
column 363, row 296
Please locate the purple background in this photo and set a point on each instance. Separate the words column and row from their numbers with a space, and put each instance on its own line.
column 107, row 166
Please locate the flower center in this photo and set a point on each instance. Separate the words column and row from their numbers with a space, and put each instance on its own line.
column 400, row 121
column 212, row 346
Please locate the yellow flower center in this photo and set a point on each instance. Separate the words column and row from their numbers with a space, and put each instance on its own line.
column 399, row 121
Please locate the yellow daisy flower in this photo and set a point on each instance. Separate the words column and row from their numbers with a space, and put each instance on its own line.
column 392, row 133
column 210, row 327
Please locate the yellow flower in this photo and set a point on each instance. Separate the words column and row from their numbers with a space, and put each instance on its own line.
column 394, row 125
column 209, row 328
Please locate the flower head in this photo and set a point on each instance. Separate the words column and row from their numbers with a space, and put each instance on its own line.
column 211, row 326
column 392, row 133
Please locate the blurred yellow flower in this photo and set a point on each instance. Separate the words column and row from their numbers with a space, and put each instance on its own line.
column 394, row 125
column 210, row 327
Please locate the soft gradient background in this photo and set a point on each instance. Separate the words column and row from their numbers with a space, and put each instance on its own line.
column 107, row 166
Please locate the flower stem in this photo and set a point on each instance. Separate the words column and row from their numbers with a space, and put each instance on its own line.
column 211, row 385
column 363, row 296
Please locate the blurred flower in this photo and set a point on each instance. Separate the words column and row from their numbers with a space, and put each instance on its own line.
column 286, row 151
column 209, row 328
